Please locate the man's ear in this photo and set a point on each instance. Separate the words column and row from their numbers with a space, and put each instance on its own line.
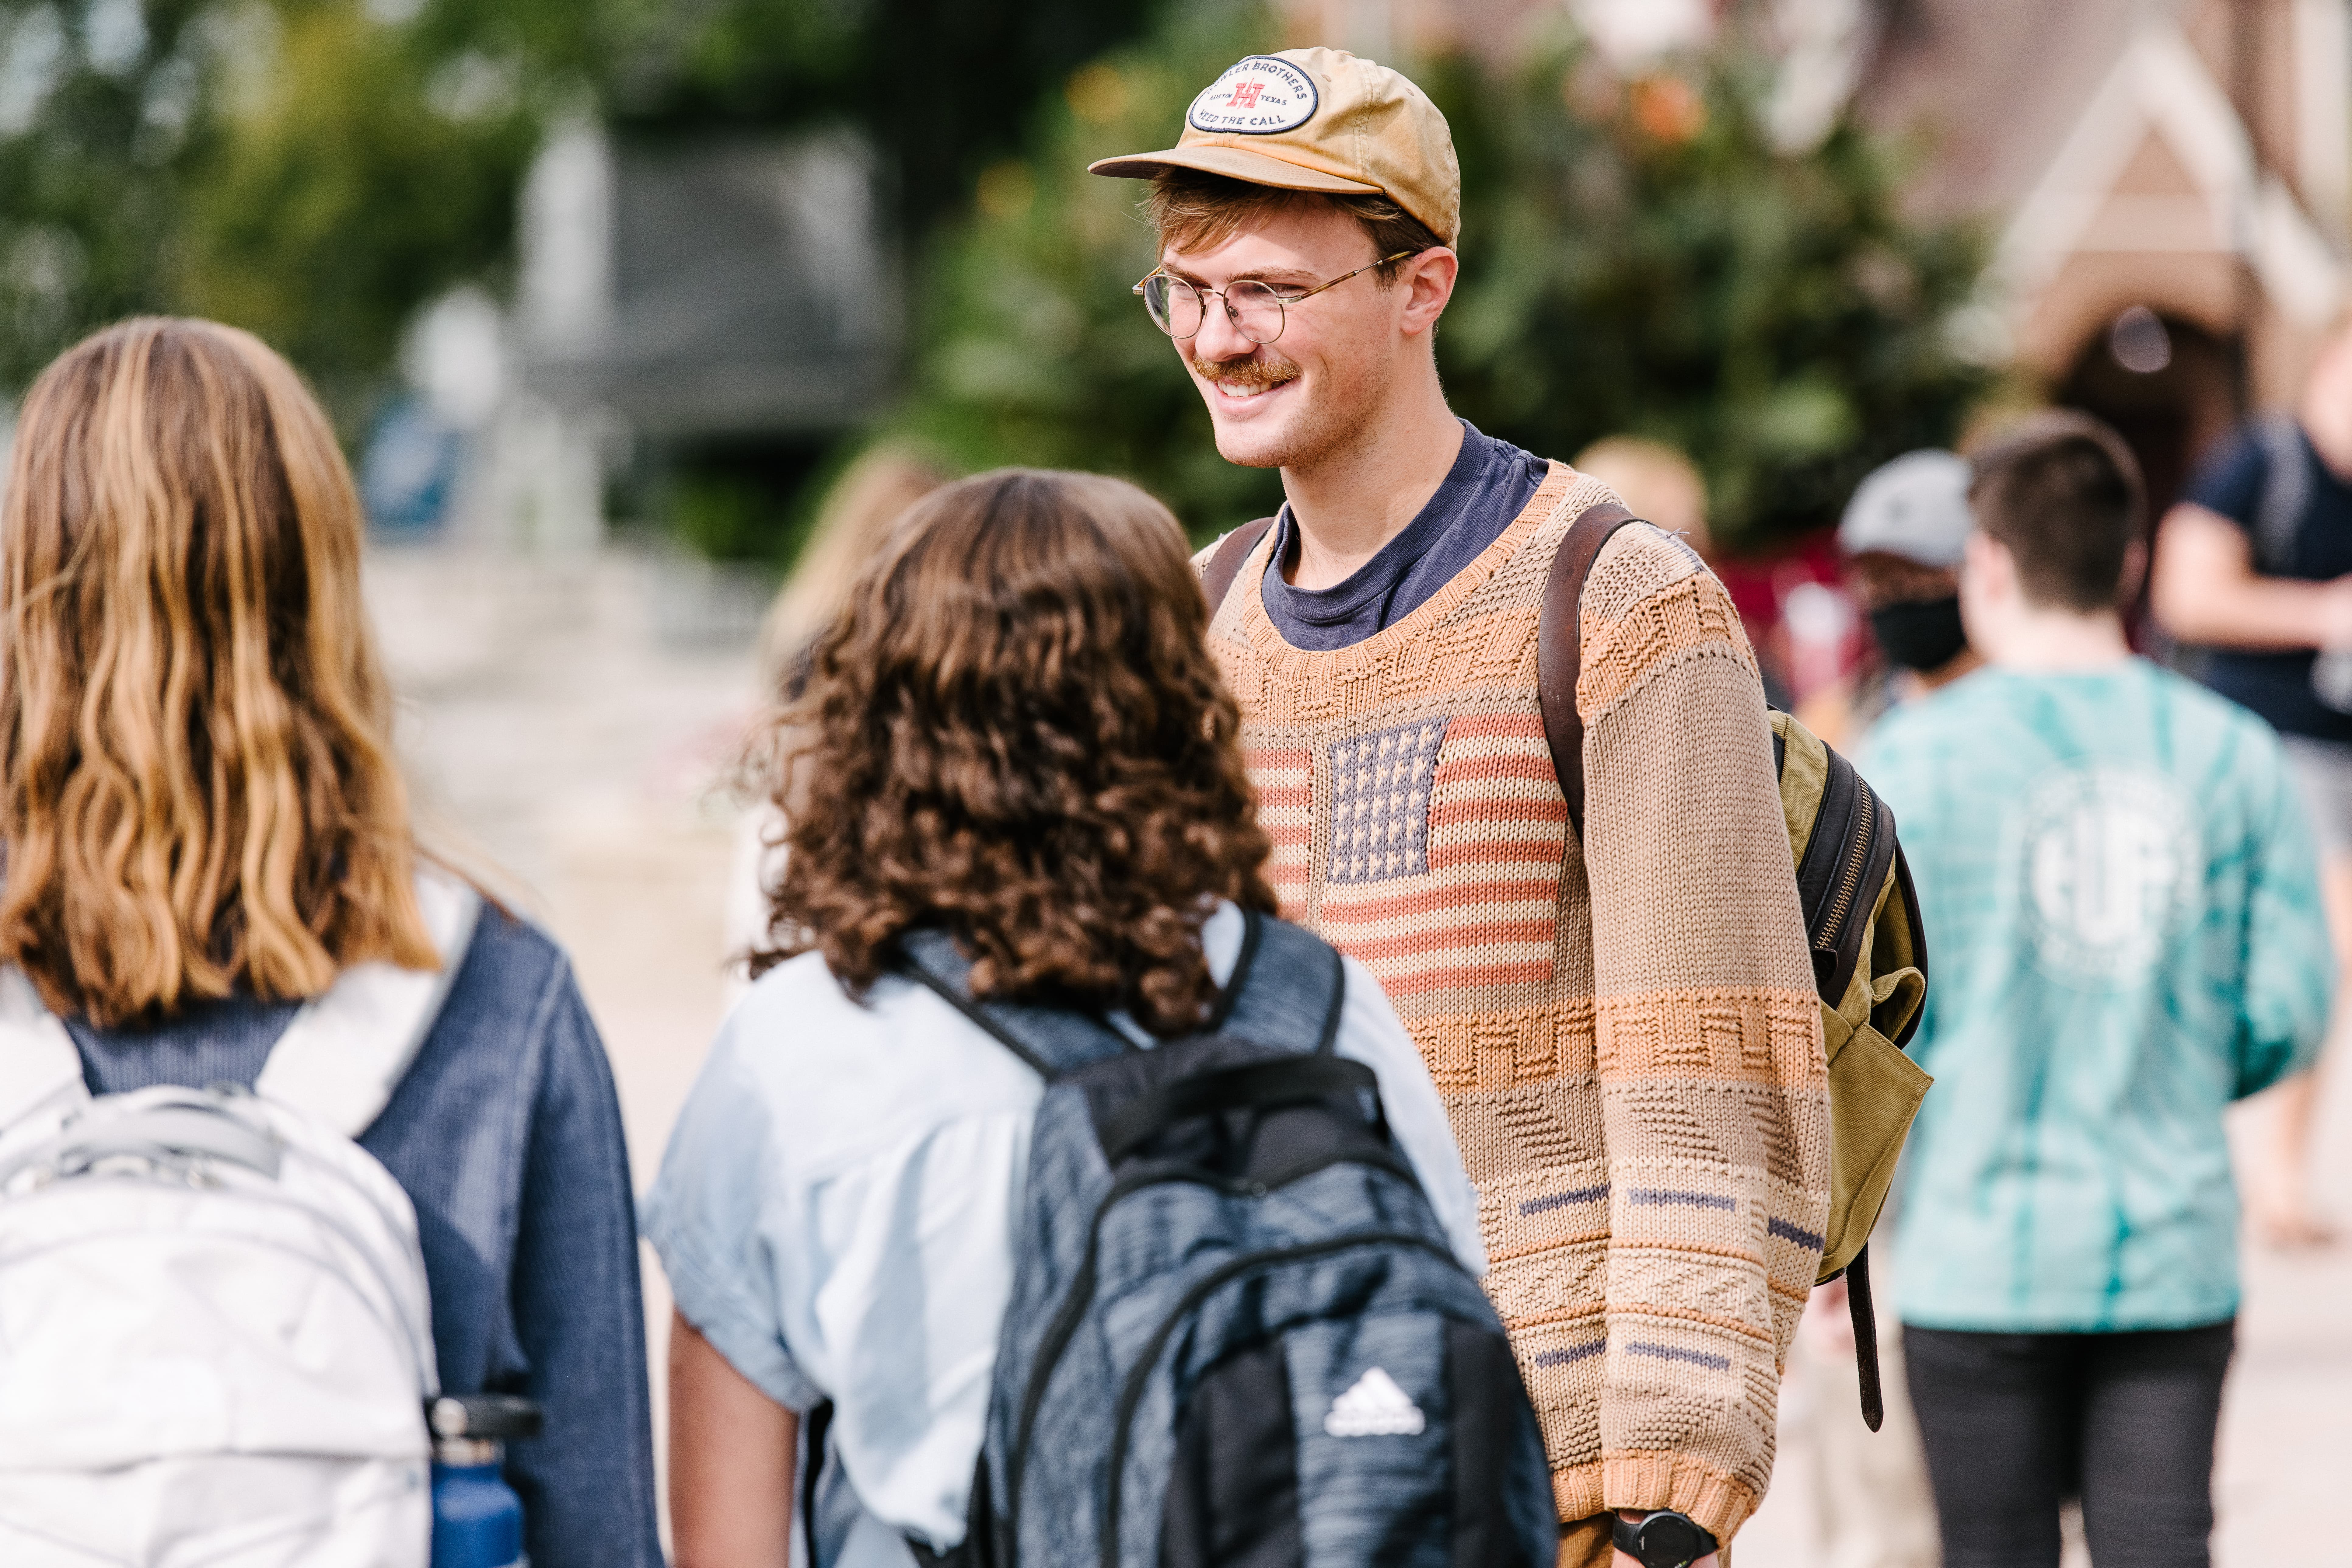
column 1989, row 565
column 1987, row 588
column 1428, row 281
column 2135, row 570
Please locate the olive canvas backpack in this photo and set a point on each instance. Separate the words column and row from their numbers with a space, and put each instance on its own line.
column 1862, row 918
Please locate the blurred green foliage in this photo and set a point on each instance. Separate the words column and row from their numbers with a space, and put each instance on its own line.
column 722, row 516
column 98, row 118
column 1640, row 258
column 317, row 169
column 1636, row 258
column 939, row 87
column 311, row 169
column 353, row 179
column 1030, row 347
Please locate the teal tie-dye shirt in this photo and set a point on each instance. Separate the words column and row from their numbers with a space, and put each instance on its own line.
column 2125, row 934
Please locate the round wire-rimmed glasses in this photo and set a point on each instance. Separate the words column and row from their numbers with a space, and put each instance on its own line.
column 1256, row 308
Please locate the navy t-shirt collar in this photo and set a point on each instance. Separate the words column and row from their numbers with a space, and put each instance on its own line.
column 1489, row 485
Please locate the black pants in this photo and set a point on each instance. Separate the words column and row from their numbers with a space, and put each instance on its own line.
column 2016, row 1424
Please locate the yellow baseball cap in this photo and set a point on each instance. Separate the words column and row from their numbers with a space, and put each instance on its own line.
column 1317, row 120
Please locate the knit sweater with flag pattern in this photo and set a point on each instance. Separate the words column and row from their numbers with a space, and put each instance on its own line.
column 1625, row 1032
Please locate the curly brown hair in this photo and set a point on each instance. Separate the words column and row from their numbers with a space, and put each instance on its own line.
column 1014, row 733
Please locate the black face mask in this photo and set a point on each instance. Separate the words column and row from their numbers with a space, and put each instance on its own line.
column 1920, row 634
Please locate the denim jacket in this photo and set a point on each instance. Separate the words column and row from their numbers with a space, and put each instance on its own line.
column 507, row 1135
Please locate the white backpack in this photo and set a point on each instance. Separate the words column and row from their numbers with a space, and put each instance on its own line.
column 215, row 1339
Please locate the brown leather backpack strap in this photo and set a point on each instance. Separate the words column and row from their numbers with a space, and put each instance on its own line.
column 1559, row 655
column 1217, row 579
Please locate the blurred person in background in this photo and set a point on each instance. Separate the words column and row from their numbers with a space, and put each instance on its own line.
column 204, row 826
column 2255, row 564
column 1379, row 632
column 1657, row 482
column 2117, row 877
column 1012, row 733
column 1660, row 484
column 871, row 494
column 1902, row 537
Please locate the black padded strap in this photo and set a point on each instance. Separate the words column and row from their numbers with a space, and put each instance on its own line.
column 1328, row 1042
column 1250, row 1087
column 1287, row 989
column 1865, row 1338
column 1292, row 996
column 973, row 1010
column 813, row 1427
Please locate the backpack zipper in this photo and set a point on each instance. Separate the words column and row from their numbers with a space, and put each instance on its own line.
column 1082, row 1288
column 1139, row 1375
column 1850, row 881
column 1834, row 822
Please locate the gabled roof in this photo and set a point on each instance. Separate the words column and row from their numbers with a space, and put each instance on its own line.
column 2158, row 160
column 2086, row 128
column 1987, row 90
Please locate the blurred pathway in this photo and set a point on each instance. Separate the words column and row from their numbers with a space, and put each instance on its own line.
column 558, row 742
column 552, row 727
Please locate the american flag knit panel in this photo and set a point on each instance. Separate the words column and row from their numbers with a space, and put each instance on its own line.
column 1646, row 1117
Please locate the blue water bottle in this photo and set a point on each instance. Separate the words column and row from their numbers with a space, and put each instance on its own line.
column 476, row 1518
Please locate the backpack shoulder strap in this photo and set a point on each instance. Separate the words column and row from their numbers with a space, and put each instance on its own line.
column 340, row 1058
column 40, row 1070
column 1217, row 577
column 348, row 1048
column 1288, row 990
column 1051, row 1041
column 1559, row 652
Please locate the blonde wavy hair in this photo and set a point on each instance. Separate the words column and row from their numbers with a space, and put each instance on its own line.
column 198, row 796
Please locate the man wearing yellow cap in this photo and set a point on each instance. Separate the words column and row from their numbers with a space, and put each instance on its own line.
column 1624, row 1027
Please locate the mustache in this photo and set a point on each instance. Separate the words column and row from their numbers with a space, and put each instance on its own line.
column 1252, row 374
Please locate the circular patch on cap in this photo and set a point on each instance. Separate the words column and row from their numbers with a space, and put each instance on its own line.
column 1256, row 97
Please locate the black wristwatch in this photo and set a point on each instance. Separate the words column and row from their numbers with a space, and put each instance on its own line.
column 1661, row 1540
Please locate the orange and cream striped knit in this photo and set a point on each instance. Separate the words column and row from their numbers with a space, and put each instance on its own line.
column 1634, row 1074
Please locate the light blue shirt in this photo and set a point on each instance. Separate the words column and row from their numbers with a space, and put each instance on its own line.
column 835, row 1213
column 2125, row 934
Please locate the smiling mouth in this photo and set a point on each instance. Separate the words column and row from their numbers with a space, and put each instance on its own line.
column 1242, row 381
column 1246, row 383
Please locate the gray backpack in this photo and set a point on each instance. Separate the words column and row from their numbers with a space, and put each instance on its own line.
column 1237, row 1334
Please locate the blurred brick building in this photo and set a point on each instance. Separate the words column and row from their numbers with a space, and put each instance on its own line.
column 2189, row 162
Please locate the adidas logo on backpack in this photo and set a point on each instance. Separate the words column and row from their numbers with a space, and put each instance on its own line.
column 1374, row 1408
